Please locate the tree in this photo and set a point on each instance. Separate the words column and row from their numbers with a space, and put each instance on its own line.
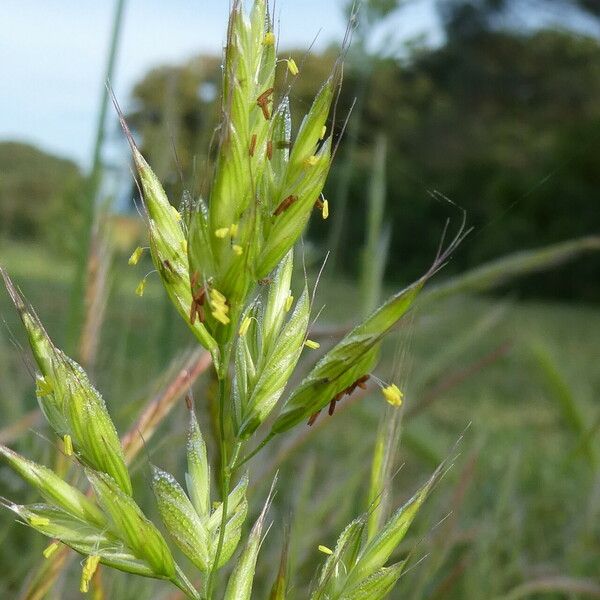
column 465, row 18
column 481, row 119
column 36, row 189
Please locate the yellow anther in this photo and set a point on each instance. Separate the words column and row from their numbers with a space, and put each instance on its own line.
column 392, row 394
column 323, row 132
column 233, row 230
column 136, row 255
column 217, row 297
column 176, row 213
column 245, row 325
column 91, row 564
column 68, row 445
column 325, row 550
column 237, row 249
column 50, row 550
column 269, row 39
column 311, row 161
column 220, row 316
column 325, row 212
column 139, row 290
column 219, row 312
column 37, row 521
column 292, row 66
column 43, row 387
column 288, row 302
column 312, row 344
column 184, row 246
column 219, row 306
column 89, row 568
column 222, row 233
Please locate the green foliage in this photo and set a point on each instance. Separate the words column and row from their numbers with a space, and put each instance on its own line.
column 354, row 356
column 356, row 568
column 53, row 488
column 38, row 195
column 267, row 354
column 169, row 246
column 239, row 586
column 226, row 263
column 129, row 524
column 70, row 403
column 485, row 121
column 191, row 522
column 210, row 260
column 375, row 252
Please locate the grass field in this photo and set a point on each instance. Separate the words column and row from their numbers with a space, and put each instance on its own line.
column 519, row 381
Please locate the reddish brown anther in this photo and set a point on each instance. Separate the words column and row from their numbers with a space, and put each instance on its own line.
column 313, row 418
column 263, row 102
column 252, row 145
column 265, row 281
column 198, row 297
column 269, row 149
column 360, row 382
column 332, row 407
column 284, row 205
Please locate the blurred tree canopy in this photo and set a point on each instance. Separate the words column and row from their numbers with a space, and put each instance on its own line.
column 174, row 114
column 462, row 18
column 36, row 190
column 507, row 126
column 506, row 123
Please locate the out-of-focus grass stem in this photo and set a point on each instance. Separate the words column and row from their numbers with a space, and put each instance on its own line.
column 90, row 193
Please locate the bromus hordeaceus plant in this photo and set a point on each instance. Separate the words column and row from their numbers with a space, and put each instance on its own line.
column 227, row 266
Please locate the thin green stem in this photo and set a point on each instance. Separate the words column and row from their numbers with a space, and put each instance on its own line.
column 225, row 478
column 227, row 470
column 254, row 452
column 182, row 582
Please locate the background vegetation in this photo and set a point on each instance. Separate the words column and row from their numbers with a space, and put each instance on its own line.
column 503, row 119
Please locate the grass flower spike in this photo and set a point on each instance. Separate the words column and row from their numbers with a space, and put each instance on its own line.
column 72, row 406
column 226, row 262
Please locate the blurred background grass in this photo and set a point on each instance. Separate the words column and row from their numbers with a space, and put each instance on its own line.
column 500, row 115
